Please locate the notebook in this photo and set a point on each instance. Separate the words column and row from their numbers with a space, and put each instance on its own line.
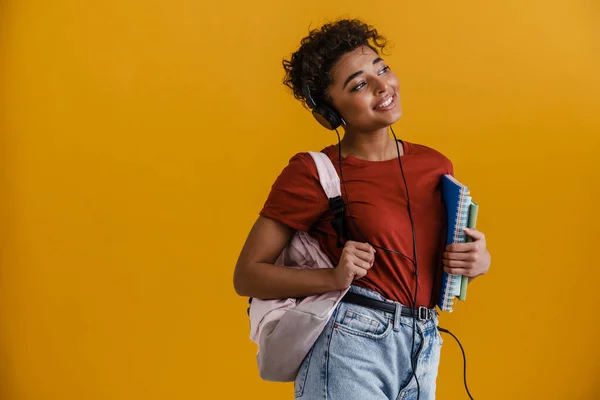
column 473, row 210
column 462, row 212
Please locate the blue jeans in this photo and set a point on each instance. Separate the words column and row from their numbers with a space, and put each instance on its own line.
column 365, row 354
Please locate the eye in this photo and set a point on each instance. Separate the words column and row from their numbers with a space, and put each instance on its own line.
column 384, row 70
column 359, row 86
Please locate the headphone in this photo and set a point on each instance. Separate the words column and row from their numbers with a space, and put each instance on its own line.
column 326, row 115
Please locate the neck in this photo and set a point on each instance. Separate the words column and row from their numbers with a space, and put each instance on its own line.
column 371, row 146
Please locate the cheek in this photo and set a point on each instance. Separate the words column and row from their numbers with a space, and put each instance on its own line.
column 395, row 83
column 391, row 80
column 357, row 107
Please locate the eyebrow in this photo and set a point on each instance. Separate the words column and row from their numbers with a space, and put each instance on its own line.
column 357, row 73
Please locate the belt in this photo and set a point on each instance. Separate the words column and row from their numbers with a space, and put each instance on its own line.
column 422, row 313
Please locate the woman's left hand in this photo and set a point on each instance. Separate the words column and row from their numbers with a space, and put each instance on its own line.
column 469, row 259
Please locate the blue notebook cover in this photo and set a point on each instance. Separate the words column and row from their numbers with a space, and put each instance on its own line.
column 457, row 199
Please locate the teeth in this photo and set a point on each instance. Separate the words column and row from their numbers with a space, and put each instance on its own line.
column 387, row 102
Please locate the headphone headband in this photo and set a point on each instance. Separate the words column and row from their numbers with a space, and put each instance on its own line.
column 309, row 100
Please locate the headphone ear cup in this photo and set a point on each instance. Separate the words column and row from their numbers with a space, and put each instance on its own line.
column 327, row 117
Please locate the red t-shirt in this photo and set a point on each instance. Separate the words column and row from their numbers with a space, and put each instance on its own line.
column 378, row 207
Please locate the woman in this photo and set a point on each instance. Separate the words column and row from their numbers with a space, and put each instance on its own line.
column 395, row 221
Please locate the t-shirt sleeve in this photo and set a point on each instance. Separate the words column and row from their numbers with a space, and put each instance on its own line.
column 449, row 167
column 297, row 198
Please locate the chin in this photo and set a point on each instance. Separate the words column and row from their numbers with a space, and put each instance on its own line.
column 379, row 122
column 396, row 117
column 392, row 119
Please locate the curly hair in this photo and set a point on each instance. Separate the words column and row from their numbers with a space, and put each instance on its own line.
column 311, row 64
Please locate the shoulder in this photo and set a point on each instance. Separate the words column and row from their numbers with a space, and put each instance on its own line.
column 301, row 165
column 299, row 176
column 296, row 198
column 434, row 156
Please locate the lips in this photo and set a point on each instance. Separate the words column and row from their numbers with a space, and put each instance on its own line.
column 387, row 103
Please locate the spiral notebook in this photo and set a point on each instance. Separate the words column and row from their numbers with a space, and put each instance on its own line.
column 462, row 212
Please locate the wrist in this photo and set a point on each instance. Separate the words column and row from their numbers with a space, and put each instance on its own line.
column 334, row 282
column 331, row 281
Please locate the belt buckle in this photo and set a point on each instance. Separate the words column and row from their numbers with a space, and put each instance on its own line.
column 423, row 314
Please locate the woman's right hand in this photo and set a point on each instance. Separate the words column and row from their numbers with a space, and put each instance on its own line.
column 357, row 258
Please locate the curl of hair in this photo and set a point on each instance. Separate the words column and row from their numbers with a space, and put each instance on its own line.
column 311, row 64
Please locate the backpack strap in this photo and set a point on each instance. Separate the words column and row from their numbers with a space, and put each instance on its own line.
column 330, row 182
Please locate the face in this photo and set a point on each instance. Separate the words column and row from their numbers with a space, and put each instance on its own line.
column 365, row 91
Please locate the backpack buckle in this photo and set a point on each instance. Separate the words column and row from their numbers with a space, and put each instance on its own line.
column 336, row 205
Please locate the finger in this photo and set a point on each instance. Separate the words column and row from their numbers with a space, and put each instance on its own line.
column 454, row 271
column 363, row 255
column 359, row 273
column 360, row 264
column 475, row 234
column 470, row 256
column 360, row 246
column 462, row 247
column 461, row 271
column 457, row 264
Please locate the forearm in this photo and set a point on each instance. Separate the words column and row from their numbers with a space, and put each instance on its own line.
column 267, row 281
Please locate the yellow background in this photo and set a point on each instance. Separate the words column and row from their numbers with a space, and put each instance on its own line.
column 139, row 140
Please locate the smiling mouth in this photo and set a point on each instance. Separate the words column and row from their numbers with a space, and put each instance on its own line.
column 387, row 103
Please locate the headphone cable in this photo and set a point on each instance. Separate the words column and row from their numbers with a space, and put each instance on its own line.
column 414, row 358
column 414, row 355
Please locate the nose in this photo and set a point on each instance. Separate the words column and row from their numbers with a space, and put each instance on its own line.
column 380, row 86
